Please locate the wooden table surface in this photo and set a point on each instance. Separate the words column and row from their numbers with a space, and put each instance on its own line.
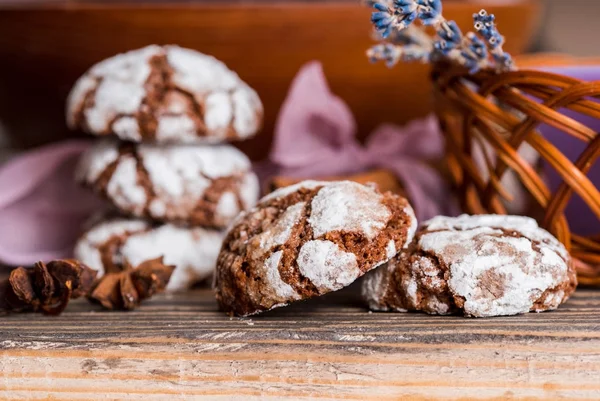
column 179, row 346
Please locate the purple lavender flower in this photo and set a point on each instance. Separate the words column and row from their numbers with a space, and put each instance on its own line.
column 484, row 23
column 475, row 55
column 391, row 54
column 382, row 19
column 504, row 60
column 450, row 37
column 393, row 20
column 385, row 19
column 385, row 52
column 429, row 11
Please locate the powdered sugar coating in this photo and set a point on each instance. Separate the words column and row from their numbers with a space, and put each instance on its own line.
column 314, row 237
column 327, row 266
column 412, row 226
column 96, row 160
column 193, row 251
column 87, row 247
column 285, row 191
column 278, row 233
column 348, row 206
column 118, row 86
column 113, row 94
column 486, row 265
column 281, row 289
column 524, row 225
column 124, row 189
column 169, row 183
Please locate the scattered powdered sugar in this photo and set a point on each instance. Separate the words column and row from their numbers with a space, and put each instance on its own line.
column 496, row 274
column 327, row 266
column 348, row 206
column 283, row 291
column 193, row 251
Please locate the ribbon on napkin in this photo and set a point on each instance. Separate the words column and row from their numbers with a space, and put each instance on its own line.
column 42, row 209
column 315, row 136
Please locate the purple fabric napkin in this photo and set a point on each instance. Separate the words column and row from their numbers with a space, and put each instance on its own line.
column 315, row 136
column 41, row 207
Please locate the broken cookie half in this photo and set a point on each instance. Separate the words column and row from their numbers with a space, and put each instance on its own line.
column 487, row 265
column 306, row 240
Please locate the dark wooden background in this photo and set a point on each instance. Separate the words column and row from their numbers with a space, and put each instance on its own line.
column 46, row 45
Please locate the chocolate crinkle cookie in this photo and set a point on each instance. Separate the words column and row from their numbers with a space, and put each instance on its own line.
column 113, row 244
column 306, row 240
column 164, row 94
column 488, row 265
column 186, row 184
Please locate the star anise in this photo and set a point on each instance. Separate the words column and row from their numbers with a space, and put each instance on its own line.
column 126, row 289
column 46, row 288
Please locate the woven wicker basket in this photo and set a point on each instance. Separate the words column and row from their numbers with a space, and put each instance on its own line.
column 502, row 112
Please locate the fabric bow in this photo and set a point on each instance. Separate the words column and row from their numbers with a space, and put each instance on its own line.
column 315, row 136
column 41, row 208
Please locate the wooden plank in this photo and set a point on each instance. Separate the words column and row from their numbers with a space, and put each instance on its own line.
column 329, row 348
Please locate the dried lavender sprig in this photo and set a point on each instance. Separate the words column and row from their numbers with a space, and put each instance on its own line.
column 391, row 54
column 410, row 44
column 399, row 14
column 393, row 20
column 485, row 25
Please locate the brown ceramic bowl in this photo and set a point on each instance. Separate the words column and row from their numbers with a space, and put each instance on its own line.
column 46, row 45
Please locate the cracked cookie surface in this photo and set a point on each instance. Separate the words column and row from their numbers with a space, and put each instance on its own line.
column 488, row 265
column 188, row 184
column 306, row 240
column 108, row 244
column 164, row 94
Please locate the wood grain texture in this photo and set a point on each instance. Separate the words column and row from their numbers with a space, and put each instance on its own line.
column 330, row 348
column 45, row 47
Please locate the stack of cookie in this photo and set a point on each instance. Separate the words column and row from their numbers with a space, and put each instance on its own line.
column 164, row 113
